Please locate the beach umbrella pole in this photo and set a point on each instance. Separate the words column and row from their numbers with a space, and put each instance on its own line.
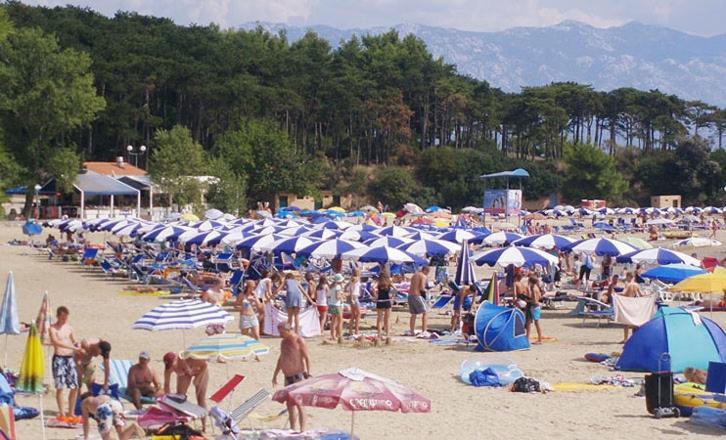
column 42, row 416
column 352, row 423
column 5, row 363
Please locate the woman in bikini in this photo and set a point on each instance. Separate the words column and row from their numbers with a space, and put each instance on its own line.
column 249, row 306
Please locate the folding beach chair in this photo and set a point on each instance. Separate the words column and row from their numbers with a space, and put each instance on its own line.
column 235, row 281
column 89, row 257
column 223, row 262
column 228, row 423
column 592, row 308
column 109, row 269
column 119, row 375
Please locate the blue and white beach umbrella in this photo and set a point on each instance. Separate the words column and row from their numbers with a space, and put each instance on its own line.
column 164, row 233
column 387, row 241
column 207, row 225
column 382, row 254
column 544, row 241
column 294, row 231
column 256, row 242
column 182, row 314
column 394, row 231
column 500, row 238
column 626, row 210
column 129, row 230
column 517, row 256
column 464, row 269
column 211, row 238
column 330, row 248
column 289, row 245
column 9, row 320
column 658, row 256
column 430, row 247
column 459, row 236
column 712, row 210
column 600, row 246
column 324, row 234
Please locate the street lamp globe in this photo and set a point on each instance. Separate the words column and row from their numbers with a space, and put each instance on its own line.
column 37, row 187
column 142, row 148
column 130, row 148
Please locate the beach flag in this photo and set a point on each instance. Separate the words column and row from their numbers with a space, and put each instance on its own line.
column 492, row 293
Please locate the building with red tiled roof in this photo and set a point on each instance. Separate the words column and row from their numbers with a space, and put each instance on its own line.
column 119, row 168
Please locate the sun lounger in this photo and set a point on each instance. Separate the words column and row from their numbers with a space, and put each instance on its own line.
column 442, row 301
column 592, row 308
column 227, row 388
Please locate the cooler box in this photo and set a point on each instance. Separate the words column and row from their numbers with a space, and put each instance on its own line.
column 716, row 381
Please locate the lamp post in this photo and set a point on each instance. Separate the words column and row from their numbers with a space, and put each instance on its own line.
column 37, row 200
column 142, row 150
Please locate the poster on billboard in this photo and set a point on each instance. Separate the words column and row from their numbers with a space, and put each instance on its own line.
column 502, row 201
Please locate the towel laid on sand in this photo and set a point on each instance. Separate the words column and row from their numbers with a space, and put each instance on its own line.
column 633, row 311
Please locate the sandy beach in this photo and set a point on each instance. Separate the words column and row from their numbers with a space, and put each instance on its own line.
column 459, row 411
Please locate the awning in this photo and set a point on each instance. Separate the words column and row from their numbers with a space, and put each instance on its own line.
column 142, row 183
column 94, row 184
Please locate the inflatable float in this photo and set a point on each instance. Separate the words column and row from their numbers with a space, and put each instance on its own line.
column 688, row 396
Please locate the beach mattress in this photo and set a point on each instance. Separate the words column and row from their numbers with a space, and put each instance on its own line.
column 688, row 396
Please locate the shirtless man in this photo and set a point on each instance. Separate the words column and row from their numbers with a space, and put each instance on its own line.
column 188, row 372
column 89, row 349
column 294, row 363
column 142, row 381
column 108, row 413
column 65, row 374
column 631, row 289
column 416, row 301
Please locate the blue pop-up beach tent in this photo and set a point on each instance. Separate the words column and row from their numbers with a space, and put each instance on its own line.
column 691, row 340
column 500, row 328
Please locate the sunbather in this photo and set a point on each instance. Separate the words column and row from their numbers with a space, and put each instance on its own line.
column 294, row 362
column 534, row 310
column 142, row 381
column 383, row 306
column 89, row 349
column 188, row 372
column 108, row 413
column 695, row 375
column 321, row 301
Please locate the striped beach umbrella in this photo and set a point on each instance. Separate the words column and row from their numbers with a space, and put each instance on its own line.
column 544, row 241
column 330, row 248
column 324, row 234
column 394, row 231
column 288, row 245
column 464, row 269
column 256, row 241
column 517, row 256
column 382, row 254
column 459, row 235
column 697, row 242
column 226, row 347
column 600, row 246
column 164, row 233
column 387, row 241
column 500, row 238
column 182, row 314
column 658, row 256
column 430, row 247
column 211, row 237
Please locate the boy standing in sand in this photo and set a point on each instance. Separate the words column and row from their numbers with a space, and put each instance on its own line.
column 294, row 362
column 416, row 301
column 65, row 374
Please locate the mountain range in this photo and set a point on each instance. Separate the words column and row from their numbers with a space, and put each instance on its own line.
column 633, row 55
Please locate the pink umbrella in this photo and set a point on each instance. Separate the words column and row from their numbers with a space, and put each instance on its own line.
column 356, row 390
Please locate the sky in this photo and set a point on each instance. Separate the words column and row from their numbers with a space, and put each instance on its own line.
column 698, row 17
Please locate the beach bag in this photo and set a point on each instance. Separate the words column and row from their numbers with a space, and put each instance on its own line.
column 526, row 385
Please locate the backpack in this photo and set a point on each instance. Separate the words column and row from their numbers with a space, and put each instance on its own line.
column 526, row 385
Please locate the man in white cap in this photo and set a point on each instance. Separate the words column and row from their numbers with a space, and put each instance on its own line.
column 142, row 380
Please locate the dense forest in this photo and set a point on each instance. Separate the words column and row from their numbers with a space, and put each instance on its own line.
column 381, row 101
